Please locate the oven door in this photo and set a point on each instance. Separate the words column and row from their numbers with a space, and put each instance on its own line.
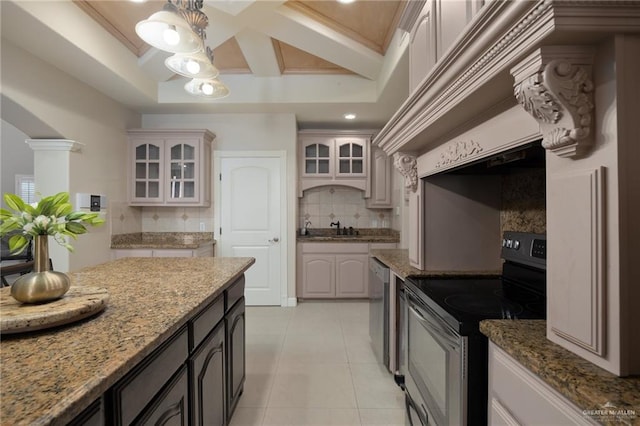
column 435, row 357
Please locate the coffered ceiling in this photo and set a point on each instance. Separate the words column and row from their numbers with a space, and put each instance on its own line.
column 317, row 59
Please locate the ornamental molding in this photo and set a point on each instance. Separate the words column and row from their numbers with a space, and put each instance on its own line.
column 54, row 145
column 554, row 86
column 407, row 165
column 458, row 151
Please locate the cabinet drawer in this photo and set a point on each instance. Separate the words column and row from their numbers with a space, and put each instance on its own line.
column 206, row 320
column 139, row 387
column 234, row 293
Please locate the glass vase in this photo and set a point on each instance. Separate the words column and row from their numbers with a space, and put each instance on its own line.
column 41, row 285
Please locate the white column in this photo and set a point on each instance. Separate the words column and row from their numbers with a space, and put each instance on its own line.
column 52, row 158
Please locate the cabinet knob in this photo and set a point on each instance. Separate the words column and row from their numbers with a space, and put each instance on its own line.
column 275, row 240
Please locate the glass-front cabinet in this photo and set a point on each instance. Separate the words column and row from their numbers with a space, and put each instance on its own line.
column 351, row 159
column 333, row 158
column 170, row 167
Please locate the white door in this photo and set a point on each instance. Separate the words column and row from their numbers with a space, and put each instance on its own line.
column 250, row 220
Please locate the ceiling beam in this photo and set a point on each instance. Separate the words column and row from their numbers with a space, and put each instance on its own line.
column 301, row 31
column 78, row 46
column 258, row 51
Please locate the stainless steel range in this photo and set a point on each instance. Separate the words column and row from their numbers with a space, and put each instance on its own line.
column 445, row 378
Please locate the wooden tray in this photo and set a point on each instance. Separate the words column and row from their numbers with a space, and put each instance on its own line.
column 78, row 303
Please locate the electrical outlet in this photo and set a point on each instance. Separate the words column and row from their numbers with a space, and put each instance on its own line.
column 202, row 227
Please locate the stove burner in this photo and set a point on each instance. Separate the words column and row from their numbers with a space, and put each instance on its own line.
column 484, row 304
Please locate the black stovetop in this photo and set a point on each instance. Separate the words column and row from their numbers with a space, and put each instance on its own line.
column 464, row 301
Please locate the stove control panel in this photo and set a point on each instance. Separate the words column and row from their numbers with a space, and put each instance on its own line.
column 526, row 248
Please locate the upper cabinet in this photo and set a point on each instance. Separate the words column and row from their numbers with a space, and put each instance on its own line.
column 334, row 158
column 170, row 167
column 380, row 180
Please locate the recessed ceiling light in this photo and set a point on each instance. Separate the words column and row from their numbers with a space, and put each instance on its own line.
column 349, row 116
column 346, row 1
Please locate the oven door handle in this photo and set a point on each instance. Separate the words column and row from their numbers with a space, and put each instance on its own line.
column 452, row 339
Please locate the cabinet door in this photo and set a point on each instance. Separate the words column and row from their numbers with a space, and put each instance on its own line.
column 350, row 157
column 380, row 180
column 171, row 407
column 147, row 185
column 422, row 47
column 235, row 323
column 208, row 378
column 93, row 415
column 183, row 171
column 352, row 275
column 318, row 275
column 316, row 157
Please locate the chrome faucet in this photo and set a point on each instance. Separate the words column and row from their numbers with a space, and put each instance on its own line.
column 336, row 224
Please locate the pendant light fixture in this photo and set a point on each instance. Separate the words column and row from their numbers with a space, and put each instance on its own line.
column 193, row 65
column 177, row 28
column 211, row 88
column 180, row 28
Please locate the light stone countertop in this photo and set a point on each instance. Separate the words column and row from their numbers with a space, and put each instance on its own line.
column 49, row 377
column 588, row 386
column 162, row 240
column 398, row 261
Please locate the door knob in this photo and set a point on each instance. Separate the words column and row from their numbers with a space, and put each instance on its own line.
column 275, row 240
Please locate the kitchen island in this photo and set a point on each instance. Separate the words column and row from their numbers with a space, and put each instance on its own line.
column 51, row 376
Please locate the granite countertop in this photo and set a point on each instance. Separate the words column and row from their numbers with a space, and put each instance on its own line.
column 398, row 261
column 364, row 235
column 49, row 377
column 162, row 240
column 588, row 386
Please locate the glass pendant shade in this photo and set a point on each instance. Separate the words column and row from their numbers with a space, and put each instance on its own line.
column 208, row 88
column 194, row 65
column 169, row 31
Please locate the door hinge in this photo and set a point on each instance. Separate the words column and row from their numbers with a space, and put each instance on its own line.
column 220, row 177
column 221, row 230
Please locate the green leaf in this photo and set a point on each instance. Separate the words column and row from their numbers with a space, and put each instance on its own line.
column 14, row 202
column 18, row 243
column 63, row 209
column 61, row 198
column 76, row 228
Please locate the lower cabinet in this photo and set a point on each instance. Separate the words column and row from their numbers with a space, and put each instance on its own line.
column 235, row 334
column 518, row 397
column 334, row 270
column 208, row 370
column 194, row 378
column 204, row 251
column 171, row 407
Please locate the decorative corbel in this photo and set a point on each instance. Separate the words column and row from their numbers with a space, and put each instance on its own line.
column 407, row 165
column 554, row 85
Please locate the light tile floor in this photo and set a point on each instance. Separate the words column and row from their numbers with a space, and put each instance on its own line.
column 313, row 365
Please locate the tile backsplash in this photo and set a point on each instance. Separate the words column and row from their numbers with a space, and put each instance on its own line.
column 327, row 204
column 126, row 220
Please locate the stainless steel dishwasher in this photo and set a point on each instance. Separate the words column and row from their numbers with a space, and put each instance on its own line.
column 379, row 310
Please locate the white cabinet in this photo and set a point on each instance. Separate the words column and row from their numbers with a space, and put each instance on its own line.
column 170, row 167
column 333, row 270
column 380, row 180
column 518, row 397
column 204, row 251
column 422, row 47
column 332, row 158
